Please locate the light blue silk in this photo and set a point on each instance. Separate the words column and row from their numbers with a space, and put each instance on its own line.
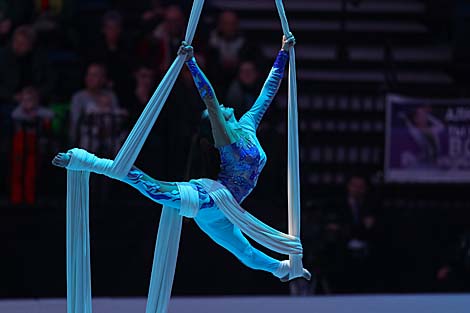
column 293, row 175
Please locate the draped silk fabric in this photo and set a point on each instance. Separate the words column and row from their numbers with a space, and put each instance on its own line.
column 169, row 230
column 293, row 175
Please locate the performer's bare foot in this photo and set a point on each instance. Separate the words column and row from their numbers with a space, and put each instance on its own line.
column 284, row 269
column 306, row 275
column 61, row 160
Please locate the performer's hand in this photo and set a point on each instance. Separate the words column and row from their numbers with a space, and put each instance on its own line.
column 186, row 50
column 61, row 160
column 288, row 42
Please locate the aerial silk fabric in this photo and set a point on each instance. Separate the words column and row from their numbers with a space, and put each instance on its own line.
column 166, row 249
column 293, row 175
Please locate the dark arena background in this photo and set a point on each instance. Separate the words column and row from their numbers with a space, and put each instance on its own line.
column 384, row 130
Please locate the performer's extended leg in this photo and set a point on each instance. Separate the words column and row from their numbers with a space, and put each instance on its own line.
column 165, row 193
column 223, row 232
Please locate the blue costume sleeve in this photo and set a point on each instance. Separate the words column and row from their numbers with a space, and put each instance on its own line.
column 202, row 83
column 155, row 190
column 253, row 117
column 222, row 134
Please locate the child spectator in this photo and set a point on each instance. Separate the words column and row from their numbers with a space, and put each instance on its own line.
column 29, row 109
column 32, row 124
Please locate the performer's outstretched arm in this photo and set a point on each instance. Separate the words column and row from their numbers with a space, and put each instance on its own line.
column 271, row 86
column 222, row 134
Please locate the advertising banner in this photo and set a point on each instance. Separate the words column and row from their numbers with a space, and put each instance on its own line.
column 427, row 140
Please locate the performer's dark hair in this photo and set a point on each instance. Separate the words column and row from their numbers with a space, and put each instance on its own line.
column 203, row 159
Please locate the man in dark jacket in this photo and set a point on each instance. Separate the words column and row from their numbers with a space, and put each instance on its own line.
column 350, row 237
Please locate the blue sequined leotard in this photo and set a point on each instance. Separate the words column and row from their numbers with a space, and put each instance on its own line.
column 243, row 160
column 240, row 166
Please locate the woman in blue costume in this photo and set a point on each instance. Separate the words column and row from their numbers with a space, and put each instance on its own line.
column 242, row 160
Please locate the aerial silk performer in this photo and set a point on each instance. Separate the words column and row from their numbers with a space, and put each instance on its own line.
column 214, row 204
column 242, row 159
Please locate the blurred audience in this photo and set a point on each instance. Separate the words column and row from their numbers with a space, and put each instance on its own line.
column 22, row 65
column 87, row 100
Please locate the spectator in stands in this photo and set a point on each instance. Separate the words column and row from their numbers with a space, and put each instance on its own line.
column 144, row 77
column 22, row 65
column 85, row 100
column 169, row 35
column 32, row 123
column 244, row 90
column 28, row 108
column 227, row 40
column 113, row 51
column 228, row 45
column 350, row 234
